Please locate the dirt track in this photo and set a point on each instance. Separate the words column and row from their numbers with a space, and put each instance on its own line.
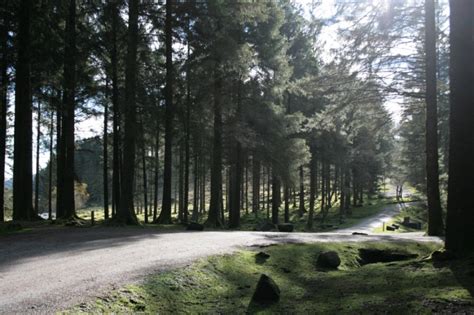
column 46, row 271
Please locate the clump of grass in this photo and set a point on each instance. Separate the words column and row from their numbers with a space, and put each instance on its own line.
column 225, row 284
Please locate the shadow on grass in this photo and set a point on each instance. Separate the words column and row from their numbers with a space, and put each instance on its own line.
column 225, row 284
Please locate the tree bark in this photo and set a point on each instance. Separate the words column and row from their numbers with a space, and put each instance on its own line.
column 276, row 198
column 459, row 230
column 116, row 111
column 195, row 214
column 105, row 152
column 302, row 208
column 3, row 101
column 126, row 212
column 37, row 178
column 145, row 180
column 157, row 170
column 435, row 214
column 65, row 188
column 215, row 206
column 287, row 204
column 22, row 162
column 165, row 215
column 236, row 173
column 50, row 177
column 255, row 185
column 181, row 167
column 312, row 187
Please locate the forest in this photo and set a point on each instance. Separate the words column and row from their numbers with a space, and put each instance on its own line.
column 150, row 125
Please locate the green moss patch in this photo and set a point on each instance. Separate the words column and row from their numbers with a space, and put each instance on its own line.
column 225, row 284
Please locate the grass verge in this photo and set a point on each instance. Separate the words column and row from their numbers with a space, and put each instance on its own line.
column 225, row 284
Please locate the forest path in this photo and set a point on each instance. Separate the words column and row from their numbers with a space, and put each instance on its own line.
column 46, row 271
column 387, row 214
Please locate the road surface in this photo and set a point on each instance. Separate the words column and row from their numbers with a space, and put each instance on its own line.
column 46, row 271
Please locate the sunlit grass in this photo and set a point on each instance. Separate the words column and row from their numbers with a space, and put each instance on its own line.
column 225, row 284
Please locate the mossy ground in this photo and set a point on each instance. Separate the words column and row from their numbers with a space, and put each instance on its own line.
column 225, row 284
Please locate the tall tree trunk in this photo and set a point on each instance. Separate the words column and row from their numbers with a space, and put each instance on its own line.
column 215, row 206
column 302, row 208
column 323, row 187
column 105, row 152
column 236, row 173
column 37, row 178
column 181, row 167
column 3, row 100
column 435, row 214
column 165, row 215
column 287, row 204
column 203, row 186
column 246, row 199
column 195, row 214
column 126, row 212
column 145, row 180
column 342, row 199
column 22, row 162
column 187, row 157
column 68, row 115
column 312, row 187
column 50, row 177
column 269, row 188
column 459, row 230
column 347, row 187
column 255, row 185
column 157, row 170
column 276, row 198
column 59, row 159
column 116, row 111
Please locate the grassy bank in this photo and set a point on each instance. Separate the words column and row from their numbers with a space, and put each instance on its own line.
column 225, row 284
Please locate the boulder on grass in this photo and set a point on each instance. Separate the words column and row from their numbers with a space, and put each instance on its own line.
column 194, row 226
column 266, row 226
column 328, row 260
column 286, row 227
column 267, row 291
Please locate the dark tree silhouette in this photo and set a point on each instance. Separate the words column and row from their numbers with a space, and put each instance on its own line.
column 126, row 212
column 459, row 230
column 22, row 162
column 165, row 215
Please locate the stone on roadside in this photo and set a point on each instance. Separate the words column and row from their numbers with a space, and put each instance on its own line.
column 267, row 291
column 286, row 227
column 329, row 260
column 194, row 226
column 266, row 226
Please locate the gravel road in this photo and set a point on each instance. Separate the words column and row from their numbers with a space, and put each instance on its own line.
column 49, row 270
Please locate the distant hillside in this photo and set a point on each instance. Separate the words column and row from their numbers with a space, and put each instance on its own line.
column 9, row 183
